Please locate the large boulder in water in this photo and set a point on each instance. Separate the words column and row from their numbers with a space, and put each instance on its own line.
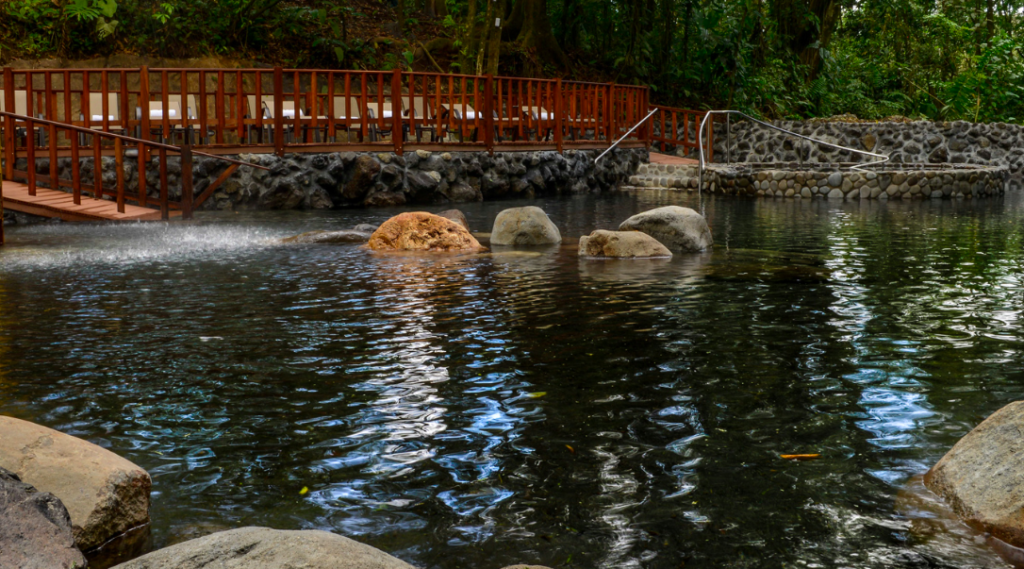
column 35, row 528
column 105, row 494
column 263, row 548
column 329, row 237
column 982, row 477
column 680, row 229
column 621, row 244
column 524, row 226
column 421, row 231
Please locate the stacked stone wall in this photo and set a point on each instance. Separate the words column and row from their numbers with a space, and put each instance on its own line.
column 350, row 179
column 922, row 142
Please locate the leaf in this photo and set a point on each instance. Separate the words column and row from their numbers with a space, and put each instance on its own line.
column 800, row 457
column 304, row 491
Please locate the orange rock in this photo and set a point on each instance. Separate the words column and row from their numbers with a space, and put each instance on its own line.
column 421, row 231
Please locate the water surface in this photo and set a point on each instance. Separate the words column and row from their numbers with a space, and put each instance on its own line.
column 478, row 411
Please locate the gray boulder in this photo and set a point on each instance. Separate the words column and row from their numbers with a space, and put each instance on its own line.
column 329, row 237
column 365, row 228
column 105, row 494
column 364, row 176
column 524, row 226
column 680, row 229
column 621, row 244
column 457, row 216
column 982, row 477
column 264, row 548
column 35, row 528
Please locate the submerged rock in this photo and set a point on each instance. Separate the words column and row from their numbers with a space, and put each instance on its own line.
column 524, row 226
column 105, row 494
column 421, row 231
column 329, row 237
column 264, row 548
column 35, row 528
column 457, row 216
column 625, row 244
column 365, row 228
column 680, row 229
column 982, row 477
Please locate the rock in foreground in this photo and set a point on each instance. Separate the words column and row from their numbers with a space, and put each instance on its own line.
column 329, row 237
column 35, row 528
column 524, row 226
column 421, row 231
column 264, row 548
column 621, row 244
column 982, row 477
column 105, row 494
column 680, row 229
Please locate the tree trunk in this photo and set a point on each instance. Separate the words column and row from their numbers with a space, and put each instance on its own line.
column 668, row 34
column 537, row 38
column 494, row 41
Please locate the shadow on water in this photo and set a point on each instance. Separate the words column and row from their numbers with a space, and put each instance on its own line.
column 528, row 406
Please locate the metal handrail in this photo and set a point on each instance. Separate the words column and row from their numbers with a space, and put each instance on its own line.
column 700, row 144
column 628, row 132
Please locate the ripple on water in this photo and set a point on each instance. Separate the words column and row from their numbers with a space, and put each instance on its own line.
column 484, row 410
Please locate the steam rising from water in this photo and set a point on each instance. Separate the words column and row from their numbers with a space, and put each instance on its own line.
column 63, row 245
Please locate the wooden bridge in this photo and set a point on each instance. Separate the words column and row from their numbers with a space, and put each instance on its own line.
column 78, row 117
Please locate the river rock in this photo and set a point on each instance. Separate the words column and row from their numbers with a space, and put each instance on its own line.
column 264, row 548
column 525, row 567
column 631, row 244
column 421, row 231
column 524, row 226
column 365, row 228
column 680, row 229
column 329, row 237
column 35, row 528
column 457, row 216
column 982, row 477
column 105, row 494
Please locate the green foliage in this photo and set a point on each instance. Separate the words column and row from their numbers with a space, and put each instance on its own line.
column 949, row 60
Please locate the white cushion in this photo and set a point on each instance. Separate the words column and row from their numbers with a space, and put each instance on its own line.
column 158, row 114
column 100, row 118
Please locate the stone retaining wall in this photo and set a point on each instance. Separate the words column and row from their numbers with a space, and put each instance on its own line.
column 835, row 181
column 923, row 142
column 349, row 179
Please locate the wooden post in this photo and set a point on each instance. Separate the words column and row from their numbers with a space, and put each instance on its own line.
column 9, row 123
column 76, row 175
column 278, row 119
column 144, row 105
column 30, row 155
column 609, row 107
column 119, row 161
column 52, row 135
column 558, row 116
column 396, row 110
column 186, row 180
column 489, row 114
column 165, row 212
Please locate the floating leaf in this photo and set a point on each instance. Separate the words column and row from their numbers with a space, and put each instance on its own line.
column 536, row 394
column 800, row 456
column 304, row 491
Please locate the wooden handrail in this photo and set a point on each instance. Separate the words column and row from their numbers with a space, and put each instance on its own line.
column 225, row 107
column 12, row 122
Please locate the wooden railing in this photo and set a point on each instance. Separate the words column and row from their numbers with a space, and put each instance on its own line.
column 307, row 110
column 42, row 139
column 671, row 129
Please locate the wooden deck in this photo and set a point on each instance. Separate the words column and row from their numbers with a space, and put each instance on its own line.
column 52, row 203
column 658, row 158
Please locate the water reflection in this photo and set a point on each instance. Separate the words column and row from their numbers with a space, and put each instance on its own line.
column 527, row 406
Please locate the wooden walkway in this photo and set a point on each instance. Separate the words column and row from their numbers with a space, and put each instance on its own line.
column 52, row 203
column 658, row 158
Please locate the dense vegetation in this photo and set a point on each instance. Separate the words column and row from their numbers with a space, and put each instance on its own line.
column 940, row 59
